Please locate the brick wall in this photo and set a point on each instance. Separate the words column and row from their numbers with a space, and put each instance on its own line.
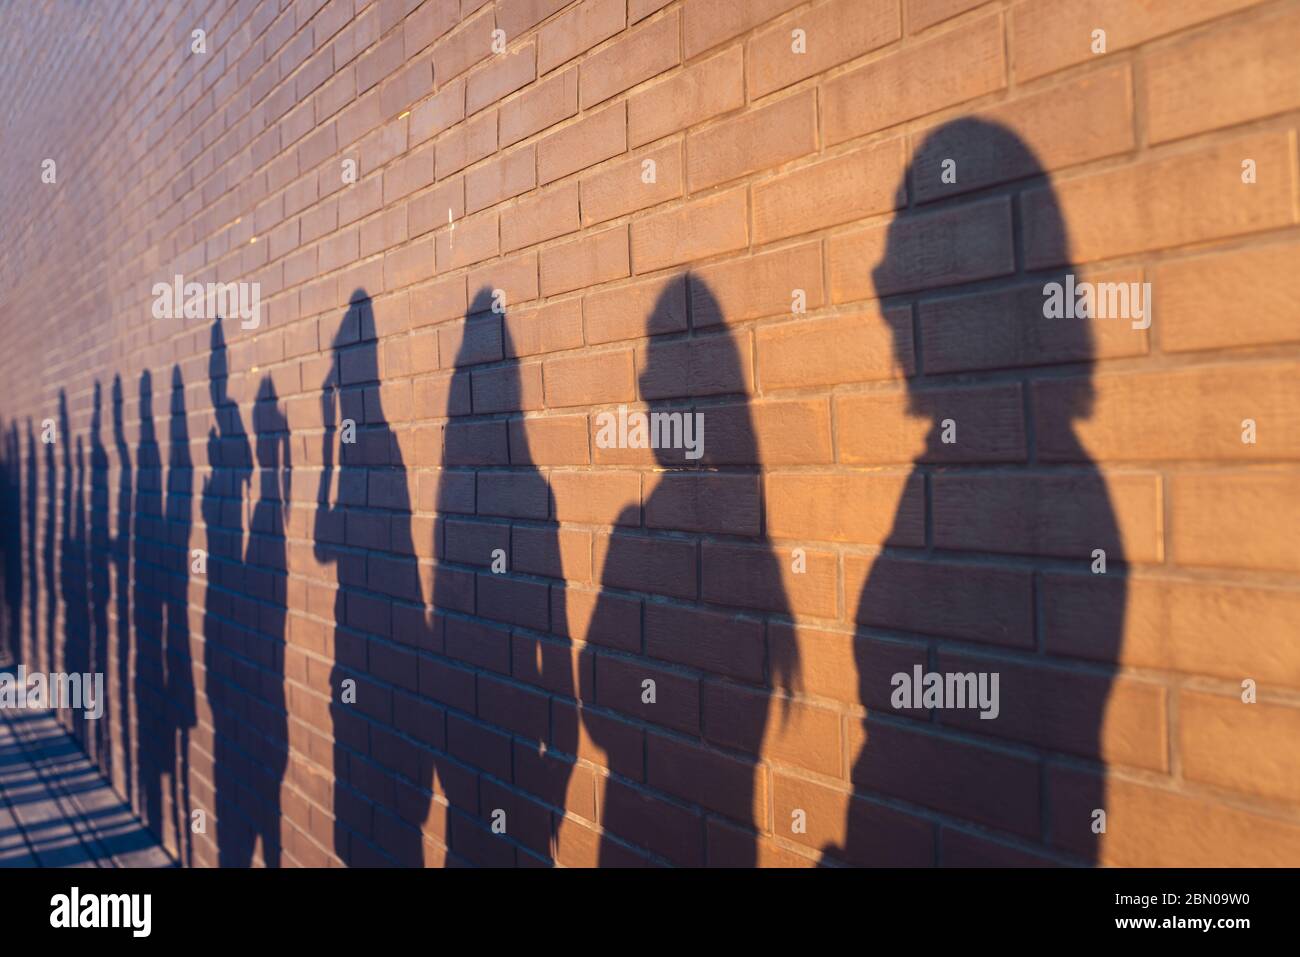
column 429, row 596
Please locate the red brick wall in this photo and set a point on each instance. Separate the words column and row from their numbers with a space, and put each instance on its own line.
column 830, row 536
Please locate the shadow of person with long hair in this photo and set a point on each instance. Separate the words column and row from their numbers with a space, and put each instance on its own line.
column 363, row 528
column 222, row 504
column 124, row 775
column 935, row 599
column 497, row 560
column 51, row 589
column 146, row 608
column 266, row 582
column 31, row 497
column 13, row 544
column 100, row 583
column 707, row 481
column 177, row 655
column 76, row 641
column 66, row 572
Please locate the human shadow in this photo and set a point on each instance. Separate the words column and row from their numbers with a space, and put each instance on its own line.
column 147, row 615
column 100, row 580
column 363, row 529
column 222, row 504
column 263, row 603
column 51, row 589
column 935, row 598
column 499, row 604
column 13, row 545
column 719, row 679
column 30, row 504
column 124, row 775
column 178, row 663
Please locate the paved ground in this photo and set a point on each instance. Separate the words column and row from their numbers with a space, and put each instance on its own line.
column 55, row 808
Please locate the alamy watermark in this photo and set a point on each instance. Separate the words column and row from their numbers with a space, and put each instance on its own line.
column 1100, row 300
column 72, row 691
column 214, row 300
column 651, row 430
column 946, row 690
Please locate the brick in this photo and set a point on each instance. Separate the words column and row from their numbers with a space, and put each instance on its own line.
column 506, row 73
column 1260, row 77
column 725, row 504
column 596, row 497
column 437, row 301
column 761, row 138
column 1266, row 392
column 1101, row 717
column 620, row 684
column 709, row 778
column 1048, row 35
column 468, row 44
column 959, row 65
column 828, row 350
column 1229, row 299
column 837, row 665
column 649, row 563
column 666, row 829
column 1006, row 328
column 1062, row 515
column 1172, row 624
column 850, row 828
column 725, row 644
column 578, row 30
column 539, row 107
column 757, row 286
column 703, row 228
column 426, row 23
column 926, row 250
column 707, row 365
column 1217, row 733
column 763, row 579
column 588, row 141
column 785, row 732
column 440, row 206
column 374, row 65
column 558, row 440
column 500, row 179
column 698, row 93
column 589, row 379
column 990, row 604
column 595, row 258
column 472, row 240
column 542, row 216
column 709, row 22
column 640, row 55
column 1235, row 519
column 834, row 33
column 632, row 311
column 553, row 327
column 1069, row 124
column 849, row 187
column 876, row 428
column 847, row 507
column 979, row 784
column 604, row 619
column 1143, row 206
column 439, row 112
column 467, row 144
column 621, row 188
column 406, row 175
column 926, row 13
column 1160, row 828
column 518, row 16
